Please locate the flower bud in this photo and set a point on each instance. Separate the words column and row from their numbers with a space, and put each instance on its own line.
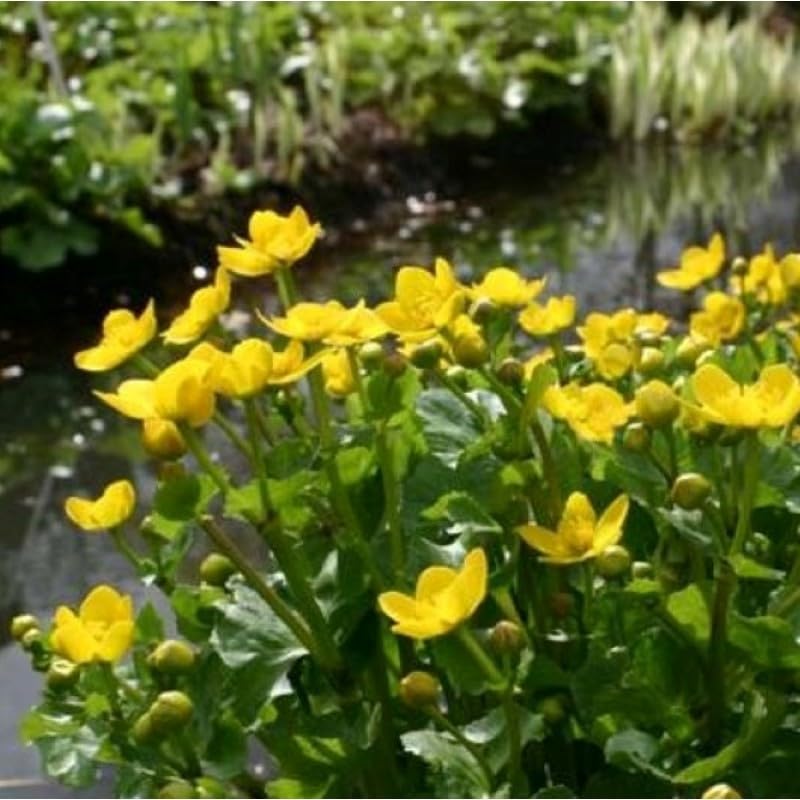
column 689, row 350
column 470, row 351
column 506, row 638
column 739, row 265
column 177, row 789
column 211, row 788
column 614, row 561
column 690, row 491
column 162, row 439
column 511, row 372
column 657, row 405
column 62, row 674
column 636, row 438
column 651, row 360
column 172, row 657
column 457, row 375
column 721, row 791
column 170, row 711
column 371, row 355
column 142, row 731
column 642, row 570
column 428, row 354
column 21, row 624
column 394, row 365
column 216, row 569
column 552, row 709
column 30, row 639
column 419, row 689
column 482, row 310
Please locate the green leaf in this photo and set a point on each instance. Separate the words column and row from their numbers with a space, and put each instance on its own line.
column 448, row 426
column 490, row 732
column 465, row 518
column 765, row 641
column 542, row 378
column 177, row 502
column 749, row 569
column 634, row 751
column 226, row 753
column 689, row 525
column 455, row 772
column 689, row 609
column 149, row 627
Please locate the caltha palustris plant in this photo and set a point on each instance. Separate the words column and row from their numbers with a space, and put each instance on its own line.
column 502, row 554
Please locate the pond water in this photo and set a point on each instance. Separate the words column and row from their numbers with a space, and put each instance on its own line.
column 599, row 228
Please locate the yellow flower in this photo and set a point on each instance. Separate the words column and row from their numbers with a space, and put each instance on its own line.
column 790, row 270
column 542, row 357
column 275, row 241
column 506, row 288
column 182, row 392
column 162, row 439
column 112, row 508
column 698, row 264
column 764, row 278
column 205, row 306
column 339, row 378
column 580, row 535
column 123, row 335
column 245, row 371
column 424, row 302
column 467, row 344
column 593, row 412
column 290, row 364
column 356, row 326
column 545, row 320
column 102, row 630
column 772, row 401
column 721, row 319
column 308, row 322
column 443, row 599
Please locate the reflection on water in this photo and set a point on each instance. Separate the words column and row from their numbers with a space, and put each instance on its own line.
column 598, row 231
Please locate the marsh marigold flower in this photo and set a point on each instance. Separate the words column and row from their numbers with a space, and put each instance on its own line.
column 580, row 534
column 356, row 326
column 181, row 393
column 698, row 264
column 205, row 306
column 593, row 412
column 506, row 288
column 162, row 439
column 424, row 302
column 308, row 322
column 721, row 319
column 444, row 598
column 338, row 374
column 112, row 508
column 556, row 315
column 102, row 630
column 124, row 334
column 764, row 278
column 275, row 241
column 772, row 401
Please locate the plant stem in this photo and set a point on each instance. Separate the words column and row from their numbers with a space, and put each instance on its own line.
column 282, row 610
column 588, row 592
column 462, row 396
column 198, row 450
column 391, row 494
column 229, row 429
column 514, row 742
column 122, row 544
column 747, row 495
column 441, row 720
column 669, row 435
column 481, row 658
column 549, row 468
column 723, row 590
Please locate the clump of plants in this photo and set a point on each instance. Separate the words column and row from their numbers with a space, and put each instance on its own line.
column 505, row 555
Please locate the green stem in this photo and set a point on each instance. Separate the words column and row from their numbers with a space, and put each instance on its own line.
column 550, row 471
column 229, row 429
column 747, row 494
column 462, row 396
column 441, row 720
column 146, row 365
column 122, row 544
column 391, row 494
column 355, row 369
column 481, row 659
column 513, row 404
column 515, row 776
column 669, row 435
column 282, row 610
column 198, row 450
column 588, row 593
column 723, row 590
column 561, row 357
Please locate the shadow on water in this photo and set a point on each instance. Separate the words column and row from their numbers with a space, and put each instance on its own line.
column 598, row 229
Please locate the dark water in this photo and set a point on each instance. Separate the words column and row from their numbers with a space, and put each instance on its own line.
column 599, row 230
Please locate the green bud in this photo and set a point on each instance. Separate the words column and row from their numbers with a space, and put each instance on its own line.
column 171, row 470
column 511, row 372
column 689, row 350
column 62, row 674
column 21, row 624
column 211, row 788
column 690, row 491
column 721, row 791
column 419, row 690
column 636, row 437
column 394, row 364
column 642, row 569
column 170, row 712
column 614, row 561
column 759, row 545
column 482, row 310
column 552, row 709
column 470, row 351
column 657, row 405
column 172, row 657
column 30, row 639
column 371, row 355
column 216, row 569
column 143, row 731
column 506, row 638
column 428, row 354
column 176, row 790
column 162, row 439
column 739, row 265
column 651, row 360
column 457, row 375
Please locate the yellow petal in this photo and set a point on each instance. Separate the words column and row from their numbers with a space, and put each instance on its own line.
column 610, row 524
column 245, row 261
column 421, row 628
column 104, row 604
column 102, row 357
column 679, row 279
column 398, row 606
column 116, row 641
column 134, row 398
column 713, row 386
column 73, row 641
column 470, row 585
column 432, row 581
